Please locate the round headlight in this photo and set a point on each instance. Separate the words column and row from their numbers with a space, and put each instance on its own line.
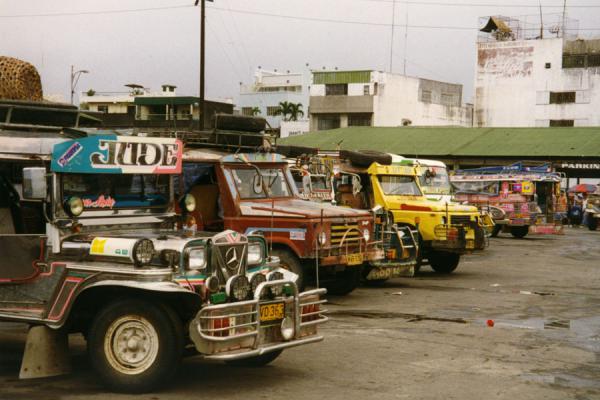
column 189, row 202
column 238, row 287
column 143, row 251
column 276, row 290
column 256, row 280
column 74, row 206
column 287, row 328
column 366, row 235
column 322, row 238
column 212, row 284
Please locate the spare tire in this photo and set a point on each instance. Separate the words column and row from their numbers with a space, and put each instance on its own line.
column 295, row 151
column 242, row 123
column 364, row 158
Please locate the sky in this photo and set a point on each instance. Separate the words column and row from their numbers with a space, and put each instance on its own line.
column 152, row 42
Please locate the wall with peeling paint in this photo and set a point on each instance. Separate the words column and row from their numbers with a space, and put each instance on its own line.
column 514, row 80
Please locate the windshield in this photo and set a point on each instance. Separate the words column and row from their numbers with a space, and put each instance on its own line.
column 249, row 185
column 399, row 185
column 434, row 180
column 108, row 191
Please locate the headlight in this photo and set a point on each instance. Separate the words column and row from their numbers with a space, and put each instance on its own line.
column 254, row 253
column 322, row 238
column 238, row 287
column 256, row 280
column 189, row 202
column 287, row 328
column 277, row 290
column 196, row 258
column 74, row 206
column 366, row 235
column 143, row 251
column 212, row 284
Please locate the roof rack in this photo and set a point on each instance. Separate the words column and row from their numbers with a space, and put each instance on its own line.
column 516, row 168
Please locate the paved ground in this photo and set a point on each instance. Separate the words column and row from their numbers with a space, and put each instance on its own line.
column 420, row 338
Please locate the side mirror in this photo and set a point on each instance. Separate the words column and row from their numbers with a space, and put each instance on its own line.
column 34, row 183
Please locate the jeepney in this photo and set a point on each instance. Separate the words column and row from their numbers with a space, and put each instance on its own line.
column 255, row 193
column 435, row 184
column 524, row 199
column 90, row 245
column 445, row 230
column 321, row 178
column 592, row 210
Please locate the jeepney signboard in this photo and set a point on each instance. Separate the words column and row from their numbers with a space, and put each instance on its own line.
column 112, row 154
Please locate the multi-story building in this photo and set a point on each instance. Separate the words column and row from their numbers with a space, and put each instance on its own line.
column 140, row 108
column 271, row 88
column 530, row 77
column 340, row 99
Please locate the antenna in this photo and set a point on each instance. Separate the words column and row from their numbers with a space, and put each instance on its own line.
column 392, row 40
column 541, row 22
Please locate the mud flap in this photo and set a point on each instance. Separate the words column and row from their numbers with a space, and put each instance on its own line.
column 46, row 353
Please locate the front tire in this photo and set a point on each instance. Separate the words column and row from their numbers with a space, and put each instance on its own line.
column 135, row 345
column 496, row 230
column 290, row 262
column 443, row 262
column 593, row 224
column 519, row 231
column 256, row 362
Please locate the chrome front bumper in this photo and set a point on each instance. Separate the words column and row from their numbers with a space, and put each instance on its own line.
column 234, row 330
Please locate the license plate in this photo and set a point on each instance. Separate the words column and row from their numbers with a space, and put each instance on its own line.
column 272, row 312
column 354, row 259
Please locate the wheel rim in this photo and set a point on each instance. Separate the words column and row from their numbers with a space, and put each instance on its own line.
column 131, row 344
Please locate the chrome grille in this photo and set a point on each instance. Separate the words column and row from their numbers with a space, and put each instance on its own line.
column 345, row 234
column 460, row 219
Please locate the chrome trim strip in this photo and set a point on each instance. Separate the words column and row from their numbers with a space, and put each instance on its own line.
column 263, row 350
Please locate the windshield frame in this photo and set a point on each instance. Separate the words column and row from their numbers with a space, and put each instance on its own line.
column 283, row 172
column 413, row 179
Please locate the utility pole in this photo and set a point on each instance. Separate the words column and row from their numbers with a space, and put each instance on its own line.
column 201, row 105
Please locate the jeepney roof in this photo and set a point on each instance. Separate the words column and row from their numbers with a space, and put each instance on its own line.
column 378, row 169
column 550, row 177
column 210, row 155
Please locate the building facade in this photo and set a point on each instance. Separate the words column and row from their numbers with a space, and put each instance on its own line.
column 340, row 99
column 139, row 108
column 269, row 89
column 536, row 82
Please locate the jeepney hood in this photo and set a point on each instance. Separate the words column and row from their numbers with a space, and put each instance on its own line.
column 297, row 208
column 162, row 240
column 419, row 203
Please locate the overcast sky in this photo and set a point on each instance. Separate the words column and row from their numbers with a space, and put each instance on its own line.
column 161, row 45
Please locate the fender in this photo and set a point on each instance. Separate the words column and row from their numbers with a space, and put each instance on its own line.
column 59, row 320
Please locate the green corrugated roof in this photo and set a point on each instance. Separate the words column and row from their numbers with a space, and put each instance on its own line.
column 446, row 141
column 332, row 77
column 164, row 100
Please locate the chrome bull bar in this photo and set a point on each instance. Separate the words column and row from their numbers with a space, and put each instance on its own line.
column 233, row 330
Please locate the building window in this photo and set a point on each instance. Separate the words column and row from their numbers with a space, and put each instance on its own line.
column 562, row 122
column 573, row 61
column 548, row 65
column 366, row 90
column 426, row 96
column 247, row 111
column 593, row 60
column 130, row 110
column 328, row 122
column 103, row 109
column 447, row 99
column 359, row 119
column 337, row 89
column 272, row 111
column 562, row 97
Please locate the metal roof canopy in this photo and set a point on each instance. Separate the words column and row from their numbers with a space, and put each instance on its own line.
column 575, row 151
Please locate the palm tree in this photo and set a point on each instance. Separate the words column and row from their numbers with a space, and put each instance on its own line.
column 296, row 111
column 285, row 108
column 255, row 111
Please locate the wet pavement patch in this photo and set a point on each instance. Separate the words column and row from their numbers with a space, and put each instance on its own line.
column 392, row 315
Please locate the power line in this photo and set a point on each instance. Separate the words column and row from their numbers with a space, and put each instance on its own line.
column 97, row 12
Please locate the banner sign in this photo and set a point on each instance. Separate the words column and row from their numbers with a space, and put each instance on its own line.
column 112, row 154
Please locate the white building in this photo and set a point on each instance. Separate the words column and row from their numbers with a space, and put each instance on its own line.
column 271, row 88
column 340, row 99
column 535, row 82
